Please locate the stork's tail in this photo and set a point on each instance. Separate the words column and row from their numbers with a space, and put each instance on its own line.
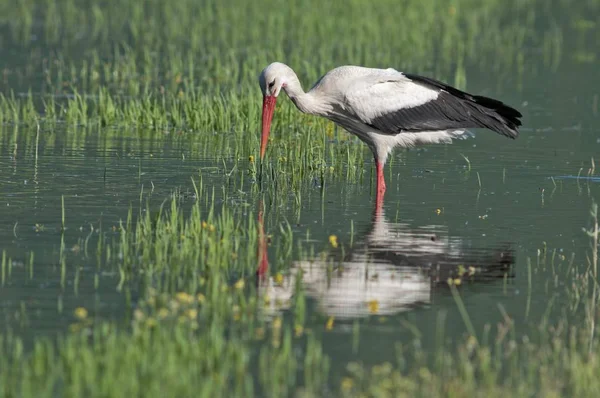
column 496, row 115
column 483, row 111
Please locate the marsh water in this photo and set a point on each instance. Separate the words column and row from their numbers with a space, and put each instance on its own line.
column 512, row 210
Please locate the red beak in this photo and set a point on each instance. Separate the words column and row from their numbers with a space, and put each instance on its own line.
column 267, row 115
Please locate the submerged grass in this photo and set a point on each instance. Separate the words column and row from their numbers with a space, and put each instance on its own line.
column 199, row 327
column 101, row 73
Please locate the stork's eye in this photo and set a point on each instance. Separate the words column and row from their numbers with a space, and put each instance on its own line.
column 272, row 84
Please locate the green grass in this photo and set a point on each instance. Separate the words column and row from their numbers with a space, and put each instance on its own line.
column 183, row 66
column 188, row 71
column 199, row 329
column 126, row 44
column 116, row 69
column 158, row 360
column 117, row 75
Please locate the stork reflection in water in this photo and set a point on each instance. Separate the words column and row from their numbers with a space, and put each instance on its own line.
column 396, row 267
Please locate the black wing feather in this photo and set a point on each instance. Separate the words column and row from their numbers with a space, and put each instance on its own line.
column 452, row 109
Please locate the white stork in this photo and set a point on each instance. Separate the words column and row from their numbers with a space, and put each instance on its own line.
column 386, row 108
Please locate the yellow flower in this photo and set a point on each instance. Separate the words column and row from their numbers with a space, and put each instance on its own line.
column 138, row 314
column 267, row 299
column 151, row 322
column 279, row 278
column 200, row 297
column 333, row 241
column 298, row 329
column 277, row 323
column 373, row 306
column 192, row 313
column 438, row 211
column 251, row 159
column 239, row 284
column 347, row 384
column 457, row 281
column 163, row 313
column 329, row 324
column 81, row 313
column 184, row 298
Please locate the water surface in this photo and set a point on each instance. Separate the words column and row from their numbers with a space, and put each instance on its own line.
column 493, row 207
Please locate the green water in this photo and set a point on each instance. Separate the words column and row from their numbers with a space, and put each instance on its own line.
column 513, row 211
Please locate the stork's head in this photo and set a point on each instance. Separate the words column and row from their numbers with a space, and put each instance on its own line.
column 272, row 79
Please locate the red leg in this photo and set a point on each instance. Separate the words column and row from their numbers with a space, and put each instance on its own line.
column 380, row 184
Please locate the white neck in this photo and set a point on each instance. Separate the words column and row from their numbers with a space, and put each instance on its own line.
column 305, row 102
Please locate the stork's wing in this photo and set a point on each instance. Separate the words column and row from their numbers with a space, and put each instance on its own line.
column 409, row 103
